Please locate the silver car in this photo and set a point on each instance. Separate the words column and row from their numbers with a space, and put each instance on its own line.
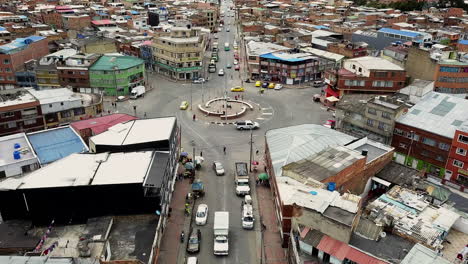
column 218, row 168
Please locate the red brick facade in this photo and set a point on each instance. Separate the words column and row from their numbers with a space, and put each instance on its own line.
column 13, row 119
column 457, row 163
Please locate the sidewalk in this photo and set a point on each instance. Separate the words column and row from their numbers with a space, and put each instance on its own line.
column 170, row 243
column 273, row 252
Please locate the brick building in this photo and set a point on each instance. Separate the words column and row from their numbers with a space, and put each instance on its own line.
column 76, row 22
column 457, row 162
column 422, row 138
column 451, row 75
column 365, row 75
column 349, row 49
column 74, row 71
column 19, row 112
column 14, row 55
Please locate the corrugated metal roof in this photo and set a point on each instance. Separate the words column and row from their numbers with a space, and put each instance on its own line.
column 399, row 32
column 54, row 144
column 361, row 257
column 333, row 247
column 101, row 124
column 294, row 143
column 106, row 63
column 437, row 113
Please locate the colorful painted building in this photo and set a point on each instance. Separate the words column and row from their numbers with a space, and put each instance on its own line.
column 457, row 163
column 117, row 75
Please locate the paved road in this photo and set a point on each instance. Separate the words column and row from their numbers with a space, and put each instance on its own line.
column 279, row 109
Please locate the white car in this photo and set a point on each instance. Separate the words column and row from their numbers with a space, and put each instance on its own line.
column 221, row 72
column 228, row 29
column 192, row 260
column 218, row 168
column 199, row 80
column 236, row 62
column 278, row 86
column 201, row 215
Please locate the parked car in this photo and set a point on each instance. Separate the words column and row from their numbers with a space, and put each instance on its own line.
column 236, row 62
column 271, row 85
column 201, row 215
column 228, row 29
column 247, row 124
column 258, row 83
column 278, row 86
column 221, row 72
column 199, row 80
column 237, row 89
column 121, row 98
column 193, row 244
column 317, row 83
column 265, row 85
column 228, row 66
column 218, row 168
column 237, row 67
column 192, row 260
column 184, row 105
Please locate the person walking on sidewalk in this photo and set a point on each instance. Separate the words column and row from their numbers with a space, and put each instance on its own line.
column 224, row 150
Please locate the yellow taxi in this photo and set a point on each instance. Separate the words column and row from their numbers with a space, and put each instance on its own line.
column 258, row 83
column 237, row 89
column 184, row 105
column 271, row 86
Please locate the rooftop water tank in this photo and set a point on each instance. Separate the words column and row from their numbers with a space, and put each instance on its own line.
column 331, row 186
column 17, row 146
column 16, row 155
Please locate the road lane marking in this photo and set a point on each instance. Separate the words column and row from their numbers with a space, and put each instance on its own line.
column 267, row 113
column 260, row 118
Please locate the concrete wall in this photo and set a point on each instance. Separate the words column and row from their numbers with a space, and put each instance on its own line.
column 419, row 65
column 317, row 221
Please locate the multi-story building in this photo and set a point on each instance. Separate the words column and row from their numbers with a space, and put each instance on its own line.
column 396, row 54
column 451, row 75
column 74, row 71
column 349, row 49
column 76, row 21
column 363, row 115
column 365, row 75
column 117, row 75
column 179, row 54
column 253, row 51
column 422, row 137
column 456, row 169
column 14, row 55
column 20, row 111
column 386, row 36
column 289, row 68
column 47, row 74
column 62, row 106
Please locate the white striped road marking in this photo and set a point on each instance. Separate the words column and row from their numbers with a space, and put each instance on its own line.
column 267, row 108
column 267, row 113
column 260, row 118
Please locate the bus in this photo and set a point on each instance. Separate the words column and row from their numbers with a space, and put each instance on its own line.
column 226, row 46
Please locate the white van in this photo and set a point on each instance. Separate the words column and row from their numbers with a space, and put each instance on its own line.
column 192, row 260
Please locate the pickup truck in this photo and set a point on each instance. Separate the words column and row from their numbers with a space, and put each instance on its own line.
column 242, row 179
column 221, row 233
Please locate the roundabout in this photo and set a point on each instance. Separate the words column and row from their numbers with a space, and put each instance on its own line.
column 227, row 108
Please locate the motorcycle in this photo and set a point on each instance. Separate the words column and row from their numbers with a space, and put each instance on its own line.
column 182, row 236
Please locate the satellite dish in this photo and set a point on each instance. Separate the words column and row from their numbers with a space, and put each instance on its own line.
column 383, row 234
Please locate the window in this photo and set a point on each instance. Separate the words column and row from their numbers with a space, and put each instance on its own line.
column 458, row 163
column 371, row 111
column 61, row 103
column 463, row 139
column 79, row 111
column 65, row 114
column 370, row 122
column 11, row 124
column 399, row 132
column 382, row 126
column 402, row 145
column 439, row 158
column 461, row 151
column 425, row 153
column 389, row 84
column 386, row 115
column 7, row 114
column 7, row 70
column 29, row 122
column 428, row 141
column 6, row 61
column 354, row 67
column 360, row 69
column 380, row 74
column 2, row 174
column 26, row 168
column 444, row 146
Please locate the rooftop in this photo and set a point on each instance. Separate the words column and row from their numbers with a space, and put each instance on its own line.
column 417, row 89
column 399, row 32
column 289, row 57
column 106, row 63
column 7, row 147
column 54, row 144
column 324, row 54
column 137, row 131
column 420, row 254
column 258, row 48
column 14, row 97
column 19, row 44
column 389, row 247
column 324, row 164
column 437, row 113
column 376, row 63
column 101, row 124
column 87, row 169
column 398, row 174
column 290, row 144
column 45, row 260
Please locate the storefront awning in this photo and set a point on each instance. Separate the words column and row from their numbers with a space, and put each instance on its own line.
column 332, row 92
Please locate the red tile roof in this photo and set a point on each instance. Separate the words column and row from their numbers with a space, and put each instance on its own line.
column 101, row 124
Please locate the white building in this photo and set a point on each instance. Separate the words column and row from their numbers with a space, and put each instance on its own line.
column 11, row 165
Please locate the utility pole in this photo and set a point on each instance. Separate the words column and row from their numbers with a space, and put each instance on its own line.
column 251, row 148
column 191, row 86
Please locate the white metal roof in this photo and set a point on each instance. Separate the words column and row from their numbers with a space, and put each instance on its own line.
column 136, row 131
column 86, row 169
column 294, row 143
column 438, row 113
column 7, row 144
column 324, row 54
